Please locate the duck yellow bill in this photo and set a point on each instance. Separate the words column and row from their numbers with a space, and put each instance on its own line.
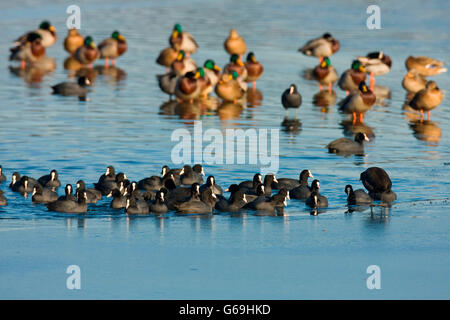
column 174, row 34
column 217, row 68
column 362, row 69
column 239, row 62
column 121, row 37
column 52, row 28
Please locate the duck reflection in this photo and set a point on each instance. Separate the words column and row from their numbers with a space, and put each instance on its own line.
column 229, row 110
column 89, row 73
column 382, row 93
column 208, row 104
column 34, row 73
column 189, row 111
column 72, row 64
column 426, row 130
column 351, row 128
column 254, row 97
column 292, row 126
column 325, row 99
column 112, row 73
column 168, row 107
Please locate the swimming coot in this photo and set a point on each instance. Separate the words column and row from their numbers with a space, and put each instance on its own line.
column 211, row 183
column 290, row 183
column 158, row 206
column 348, row 146
column 43, row 195
column 92, row 193
column 357, row 197
column 379, row 184
column 70, row 206
column 50, row 180
column 73, row 89
column 119, row 201
column 68, row 193
column 316, row 200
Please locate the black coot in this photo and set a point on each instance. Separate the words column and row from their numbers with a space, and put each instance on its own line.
column 43, row 195
column 50, row 180
column 290, row 183
column 78, row 89
column 379, row 184
column 316, row 200
column 357, row 197
column 347, row 146
column 291, row 99
column 159, row 206
column 70, row 206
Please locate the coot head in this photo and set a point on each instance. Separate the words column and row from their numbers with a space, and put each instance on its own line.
column 348, row 189
column 305, row 174
column 199, row 169
column 360, row 137
column 84, row 81
column 315, row 185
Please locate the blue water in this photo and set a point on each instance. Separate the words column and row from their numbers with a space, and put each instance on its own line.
column 296, row 256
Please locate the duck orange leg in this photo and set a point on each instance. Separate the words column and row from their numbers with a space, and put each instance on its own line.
column 22, row 64
column 106, row 62
column 429, row 115
column 372, row 81
column 329, row 87
column 346, row 92
column 254, row 85
column 113, row 62
column 361, row 117
column 320, row 59
column 353, row 117
column 320, row 87
column 421, row 115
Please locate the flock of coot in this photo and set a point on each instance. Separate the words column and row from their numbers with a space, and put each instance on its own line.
column 185, row 192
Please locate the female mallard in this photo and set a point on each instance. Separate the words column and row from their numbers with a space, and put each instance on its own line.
column 351, row 78
column 425, row 66
column 183, row 65
column 166, row 57
column 28, row 52
column 88, row 52
column 167, row 82
column 235, row 44
column 205, row 83
column 187, row 87
column 358, row 102
column 228, row 88
column 325, row 73
column 46, row 31
column 413, row 81
column 113, row 47
column 427, row 99
column 376, row 64
column 254, row 69
column 212, row 71
column 237, row 65
column 182, row 40
column 73, row 41
column 324, row 46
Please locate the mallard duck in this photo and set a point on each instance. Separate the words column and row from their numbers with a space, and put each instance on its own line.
column 73, row 41
column 425, row 66
column 325, row 46
column 237, row 65
column 228, row 88
column 45, row 30
column 188, row 87
column 166, row 57
column 235, row 44
column 29, row 51
column 427, row 99
column 351, row 78
column 167, row 82
column 182, row 40
column 206, row 86
column 413, row 81
column 325, row 73
column 254, row 69
column 212, row 71
column 113, row 47
column 87, row 53
column 376, row 64
column 183, row 65
column 358, row 102
column 291, row 99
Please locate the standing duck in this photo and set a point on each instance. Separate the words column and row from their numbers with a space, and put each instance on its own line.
column 254, row 69
column 182, row 40
column 235, row 44
column 187, row 87
column 166, row 57
column 376, row 64
column 45, row 30
column 351, row 78
column 112, row 48
column 237, row 65
column 28, row 52
column 212, row 71
column 425, row 66
column 73, row 41
column 325, row 46
column 325, row 73
column 228, row 88
column 291, row 99
column 413, row 81
column 379, row 184
column 358, row 102
column 87, row 53
column 427, row 99
column 206, row 86
column 183, row 64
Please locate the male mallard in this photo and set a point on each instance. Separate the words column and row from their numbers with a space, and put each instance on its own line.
column 376, row 64
column 325, row 46
column 182, row 64
column 46, row 31
column 113, row 47
column 254, row 69
column 425, row 66
column 29, row 51
column 325, row 73
column 182, row 40
column 235, row 44
column 212, row 71
column 188, row 87
column 228, row 88
column 205, row 83
column 427, row 99
column 358, row 102
column 237, row 65
column 413, row 81
column 73, row 41
column 351, row 78
column 88, row 52
column 167, row 56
